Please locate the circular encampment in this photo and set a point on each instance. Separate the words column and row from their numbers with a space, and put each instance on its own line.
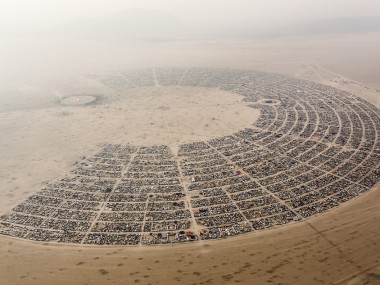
column 280, row 150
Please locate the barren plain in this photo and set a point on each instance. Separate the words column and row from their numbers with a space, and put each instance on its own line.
column 42, row 139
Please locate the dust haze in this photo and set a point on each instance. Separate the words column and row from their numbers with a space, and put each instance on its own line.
column 42, row 40
column 50, row 51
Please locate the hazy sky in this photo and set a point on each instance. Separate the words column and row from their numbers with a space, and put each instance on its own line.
column 15, row 14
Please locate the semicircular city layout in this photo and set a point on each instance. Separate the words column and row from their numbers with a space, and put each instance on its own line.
column 309, row 148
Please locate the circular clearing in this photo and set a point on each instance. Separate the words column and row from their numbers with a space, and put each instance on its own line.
column 78, row 100
column 164, row 115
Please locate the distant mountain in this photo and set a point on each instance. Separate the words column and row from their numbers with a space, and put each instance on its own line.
column 156, row 25
column 330, row 26
column 130, row 24
column 344, row 25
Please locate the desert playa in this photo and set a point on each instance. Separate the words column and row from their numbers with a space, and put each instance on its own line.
column 45, row 136
column 322, row 251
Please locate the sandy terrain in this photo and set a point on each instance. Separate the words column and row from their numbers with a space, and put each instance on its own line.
column 41, row 140
column 339, row 247
column 144, row 116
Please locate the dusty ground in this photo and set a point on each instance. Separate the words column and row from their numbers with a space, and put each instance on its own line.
column 53, row 138
column 41, row 140
column 339, row 247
